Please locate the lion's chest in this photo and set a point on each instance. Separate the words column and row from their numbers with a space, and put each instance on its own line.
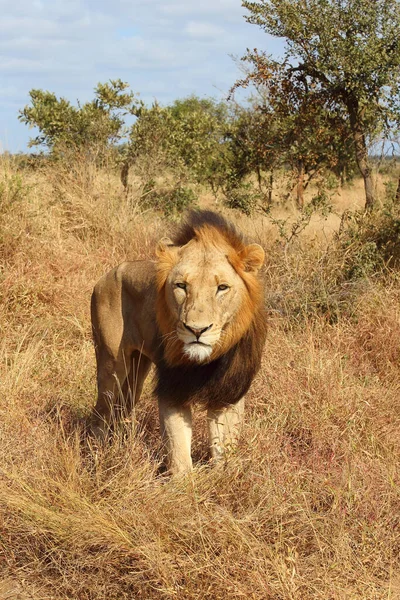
column 214, row 385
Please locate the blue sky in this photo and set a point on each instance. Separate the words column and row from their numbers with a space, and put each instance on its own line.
column 165, row 49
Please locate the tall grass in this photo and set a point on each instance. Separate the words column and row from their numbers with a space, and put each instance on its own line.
column 307, row 507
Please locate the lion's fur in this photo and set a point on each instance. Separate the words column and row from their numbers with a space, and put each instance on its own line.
column 134, row 323
column 219, row 383
column 212, row 230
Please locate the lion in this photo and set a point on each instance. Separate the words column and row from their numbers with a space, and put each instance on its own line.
column 197, row 314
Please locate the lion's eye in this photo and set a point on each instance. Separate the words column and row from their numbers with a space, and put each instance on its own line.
column 181, row 285
column 222, row 287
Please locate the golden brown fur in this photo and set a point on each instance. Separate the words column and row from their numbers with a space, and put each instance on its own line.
column 242, row 258
column 197, row 314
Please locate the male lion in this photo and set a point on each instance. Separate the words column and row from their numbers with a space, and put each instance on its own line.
column 197, row 314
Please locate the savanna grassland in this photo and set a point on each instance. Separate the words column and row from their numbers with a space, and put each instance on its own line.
column 308, row 506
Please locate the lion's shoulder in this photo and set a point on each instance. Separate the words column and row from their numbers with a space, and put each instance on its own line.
column 123, row 304
column 139, row 275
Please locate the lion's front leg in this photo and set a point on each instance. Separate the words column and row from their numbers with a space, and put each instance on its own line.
column 224, row 428
column 176, row 431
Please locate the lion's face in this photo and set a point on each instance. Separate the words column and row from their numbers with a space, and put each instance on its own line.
column 203, row 293
column 206, row 296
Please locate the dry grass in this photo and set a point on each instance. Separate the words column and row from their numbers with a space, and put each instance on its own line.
column 308, row 507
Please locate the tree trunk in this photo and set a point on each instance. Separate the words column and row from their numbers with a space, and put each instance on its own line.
column 270, row 187
column 259, row 177
column 360, row 146
column 370, row 199
column 397, row 197
column 125, row 173
column 342, row 175
column 300, row 185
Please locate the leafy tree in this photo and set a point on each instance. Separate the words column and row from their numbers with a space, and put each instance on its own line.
column 91, row 128
column 187, row 136
column 305, row 129
column 348, row 52
column 200, row 128
column 149, row 147
column 298, row 125
column 251, row 144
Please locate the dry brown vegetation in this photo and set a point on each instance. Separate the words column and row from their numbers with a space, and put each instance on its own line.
column 308, row 507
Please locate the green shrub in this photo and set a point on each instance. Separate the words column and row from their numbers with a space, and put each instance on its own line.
column 243, row 197
column 89, row 131
column 169, row 201
column 12, row 190
column 369, row 242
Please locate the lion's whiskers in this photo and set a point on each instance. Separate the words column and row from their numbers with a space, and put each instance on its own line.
column 168, row 335
column 171, row 340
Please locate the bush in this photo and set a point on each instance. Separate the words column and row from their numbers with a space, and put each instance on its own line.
column 243, row 197
column 170, row 201
column 331, row 283
column 369, row 242
column 12, row 190
column 90, row 131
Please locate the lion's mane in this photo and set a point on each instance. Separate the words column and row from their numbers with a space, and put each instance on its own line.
column 226, row 379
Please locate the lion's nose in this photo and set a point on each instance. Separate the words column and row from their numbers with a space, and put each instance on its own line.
column 196, row 330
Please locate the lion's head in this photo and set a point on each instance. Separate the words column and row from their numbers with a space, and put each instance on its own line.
column 208, row 290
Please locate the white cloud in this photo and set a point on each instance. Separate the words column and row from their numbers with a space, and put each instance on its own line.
column 22, row 65
column 201, row 29
column 228, row 9
column 163, row 48
column 7, row 91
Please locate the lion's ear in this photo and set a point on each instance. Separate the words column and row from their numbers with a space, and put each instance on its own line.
column 253, row 257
